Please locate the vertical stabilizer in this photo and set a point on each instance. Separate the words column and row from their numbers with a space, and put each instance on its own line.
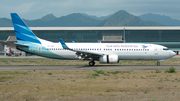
column 23, row 33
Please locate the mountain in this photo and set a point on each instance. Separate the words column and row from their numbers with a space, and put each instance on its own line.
column 165, row 20
column 71, row 20
column 123, row 18
column 120, row 18
column 95, row 17
column 74, row 20
column 48, row 17
column 5, row 22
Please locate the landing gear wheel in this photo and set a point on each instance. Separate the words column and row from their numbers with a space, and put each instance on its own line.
column 91, row 63
column 158, row 63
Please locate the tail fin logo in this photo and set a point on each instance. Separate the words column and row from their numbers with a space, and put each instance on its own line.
column 22, row 31
column 144, row 47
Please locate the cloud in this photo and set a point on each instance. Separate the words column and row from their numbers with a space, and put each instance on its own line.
column 25, row 7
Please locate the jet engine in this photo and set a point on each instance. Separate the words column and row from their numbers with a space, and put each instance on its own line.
column 109, row 59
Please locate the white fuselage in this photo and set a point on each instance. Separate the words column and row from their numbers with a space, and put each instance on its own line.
column 125, row 51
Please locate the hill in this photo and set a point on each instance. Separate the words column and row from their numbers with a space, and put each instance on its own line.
column 123, row 18
column 5, row 22
column 74, row 20
column 120, row 18
column 48, row 17
column 95, row 17
column 71, row 20
column 165, row 20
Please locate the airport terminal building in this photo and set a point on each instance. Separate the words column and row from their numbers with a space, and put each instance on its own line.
column 167, row 36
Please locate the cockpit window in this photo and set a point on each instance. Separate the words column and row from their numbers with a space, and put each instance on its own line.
column 165, row 49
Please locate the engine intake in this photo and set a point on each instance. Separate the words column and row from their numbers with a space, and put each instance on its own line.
column 109, row 59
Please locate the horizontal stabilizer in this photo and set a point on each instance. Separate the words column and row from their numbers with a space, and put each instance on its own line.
column 20, row 45
column 13, row 44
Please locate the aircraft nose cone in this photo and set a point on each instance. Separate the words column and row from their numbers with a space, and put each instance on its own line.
column 172, row 53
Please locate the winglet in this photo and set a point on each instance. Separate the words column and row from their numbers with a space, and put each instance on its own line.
column 73, row 41
column 63, row 44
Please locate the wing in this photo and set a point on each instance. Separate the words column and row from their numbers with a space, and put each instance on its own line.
column 82, row 54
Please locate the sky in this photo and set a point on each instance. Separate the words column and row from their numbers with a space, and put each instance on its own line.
column 35, row 9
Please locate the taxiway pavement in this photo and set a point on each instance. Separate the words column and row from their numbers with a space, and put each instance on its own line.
column 97, row 67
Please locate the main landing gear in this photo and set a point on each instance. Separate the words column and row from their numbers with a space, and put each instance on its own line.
column 91, row 63
column 158, row 63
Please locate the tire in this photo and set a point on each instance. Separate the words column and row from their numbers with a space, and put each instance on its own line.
column 91, row 63
column 158, row 63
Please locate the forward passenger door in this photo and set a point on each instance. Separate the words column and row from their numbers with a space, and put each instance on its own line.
column 156, row 50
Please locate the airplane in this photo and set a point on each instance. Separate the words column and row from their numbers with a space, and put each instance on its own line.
column 28, row 42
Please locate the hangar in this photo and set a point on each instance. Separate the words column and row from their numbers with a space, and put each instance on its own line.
column 167, row 36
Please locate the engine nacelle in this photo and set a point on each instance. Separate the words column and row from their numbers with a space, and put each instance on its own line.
column 109, row 59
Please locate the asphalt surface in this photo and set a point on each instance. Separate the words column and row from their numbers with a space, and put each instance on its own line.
column 97, row 67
